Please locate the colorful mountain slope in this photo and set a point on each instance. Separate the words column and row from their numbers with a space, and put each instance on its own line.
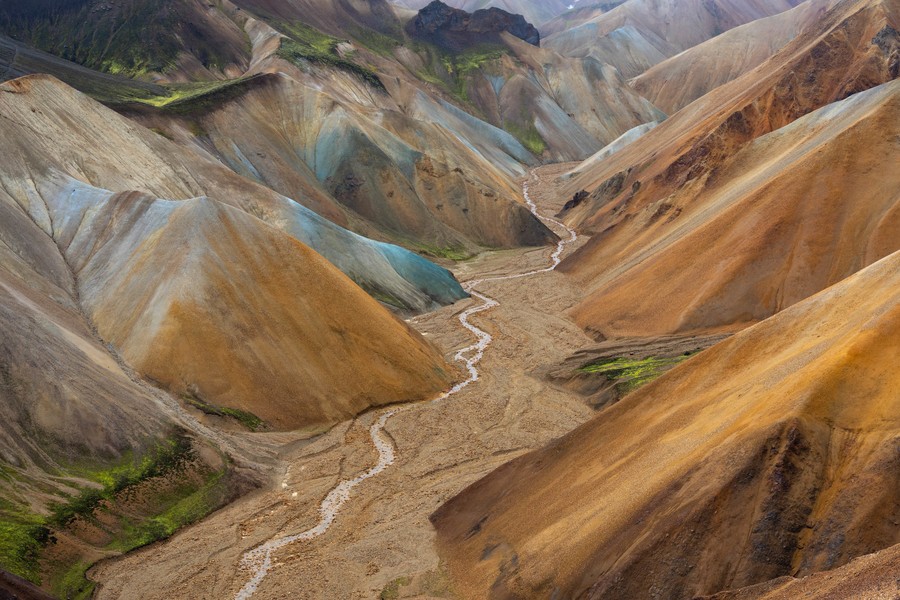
column 773, row 453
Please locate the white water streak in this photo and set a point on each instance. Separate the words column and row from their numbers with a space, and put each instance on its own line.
column 259, row 560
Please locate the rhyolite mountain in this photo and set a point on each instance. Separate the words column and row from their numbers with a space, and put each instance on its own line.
column 638, row 34
column 767, row 207
column 215, row 218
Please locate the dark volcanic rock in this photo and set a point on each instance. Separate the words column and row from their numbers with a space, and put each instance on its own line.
column 454, row 29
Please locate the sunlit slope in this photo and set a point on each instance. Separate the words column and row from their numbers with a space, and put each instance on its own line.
column 794, row 211
column 214, row 304
column 772, row 453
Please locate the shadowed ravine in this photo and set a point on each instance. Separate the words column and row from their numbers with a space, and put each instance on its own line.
column 259, row 560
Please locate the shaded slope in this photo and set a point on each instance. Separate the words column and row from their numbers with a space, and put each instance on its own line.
column 46, row 123
column 363, row 166
column 534, row 12
column 212, row 302
column 454, row 29
column 774, row 452
column 134, row 37
column 871, row 576
column 641, row 33
column 678, row 81
column 795, row 211
column 17, row 60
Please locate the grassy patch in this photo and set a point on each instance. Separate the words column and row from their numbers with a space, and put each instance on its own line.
column 461, row 66
column 631, row 373
column 528, row 137
column 392, row 590
column 247, row 419
column 305, row 43
column 450, row 252
column 377, row 42
column 179, row 98
column 182, row 506
column 22, row 536
column 73, row 583
column 134, row 503
column 168, row 456
column 478, row 57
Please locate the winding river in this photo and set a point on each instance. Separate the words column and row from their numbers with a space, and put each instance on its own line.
column 259, row 560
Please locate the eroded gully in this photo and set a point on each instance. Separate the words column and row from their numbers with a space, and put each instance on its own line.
column 259, row 560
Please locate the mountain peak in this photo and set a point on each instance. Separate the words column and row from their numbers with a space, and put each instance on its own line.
column 455, row 29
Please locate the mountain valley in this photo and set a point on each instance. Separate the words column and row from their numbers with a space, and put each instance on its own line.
column 477, row 299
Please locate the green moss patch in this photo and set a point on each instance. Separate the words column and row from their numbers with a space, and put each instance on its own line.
column 632, row 373
column 528, row 136
column 168, row 457
column 392, row 590
column 247, row 419
column 377, row 42
column 177, row 507
column 131, row 504
column 72, row 583
column 22, row 537
column 307, row 44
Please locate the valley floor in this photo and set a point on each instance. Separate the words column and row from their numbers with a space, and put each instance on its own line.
column 382, row 540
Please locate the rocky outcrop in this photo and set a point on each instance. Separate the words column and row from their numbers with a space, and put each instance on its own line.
column 455, row 30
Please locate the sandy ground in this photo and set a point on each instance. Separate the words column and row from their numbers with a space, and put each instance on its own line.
column 383, row 533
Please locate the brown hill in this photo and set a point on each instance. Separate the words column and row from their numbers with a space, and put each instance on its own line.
column 643, row 197
column 678, row 81
column 211, row 302
column 795, row 211
column 641, row 33
column 201, row 296
column 773, row 453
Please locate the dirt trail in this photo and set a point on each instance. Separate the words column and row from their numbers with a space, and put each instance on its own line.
column 382, row 534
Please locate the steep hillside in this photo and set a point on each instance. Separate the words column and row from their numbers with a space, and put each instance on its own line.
column 377, row 171
column 47, row 123
column 795, row 211
column 213, row 304
column 580, row 13
column 678, row 81
column 871, row 576
column 641, row 33
column 80, row 431
column 643, row 198
column 773, row 453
